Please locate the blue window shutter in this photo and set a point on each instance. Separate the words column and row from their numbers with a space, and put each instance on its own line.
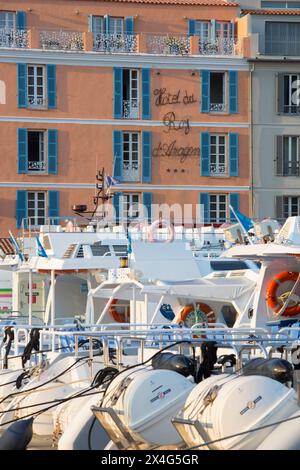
column 192, row 24
column 118, row 92
column 106, row 24
column 129, row 25
column 90, row 23
column 146, row 99
column 21, row 208
column 147, row 157
column 53, row 207
column 22, row 151
column 118, row 154
column 205, row 92
column 235, row 203
column 117, row 201
column 233, row 154
column 205, row 154
column 204, row 202
column 147, row 203
column 51, row 86
column 52, row 151
column 22, row 85
column 21, row 19
column 233, row 92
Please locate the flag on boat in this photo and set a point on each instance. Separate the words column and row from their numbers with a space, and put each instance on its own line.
column 129, row 248
column 40, row 249
column 16, row 246
column 242, row 219
column 111, row 181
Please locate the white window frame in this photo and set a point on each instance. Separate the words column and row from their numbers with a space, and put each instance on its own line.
column 131, row 106
column 220, row 30
column 287, row 159
column 203, row 30
column 288, row 202
column 224, row 104
column 218, row 204
column 98, row 25
column 6, row 15
column 218, row 161
column 36, row 216
column 41, row 165
column 131, row 158
column 293, row 77
column 116, row 25
column 36, row 100
column 128, row 205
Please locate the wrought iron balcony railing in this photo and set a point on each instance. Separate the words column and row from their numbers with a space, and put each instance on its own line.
column 61, row 40
column 115, row 42
column 131, row 109
column 36, row 101
column 13, row 38
column 218, row 107
column 218, row 169
column 168, row 44
column 36, row 166
column 131, row 172
column 220, row 46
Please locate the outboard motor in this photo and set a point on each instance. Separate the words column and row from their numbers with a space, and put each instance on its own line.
column 277, row 369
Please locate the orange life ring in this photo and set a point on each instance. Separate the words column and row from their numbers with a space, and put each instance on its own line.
column 271, row 294
column 209, row 313
column 118, row 317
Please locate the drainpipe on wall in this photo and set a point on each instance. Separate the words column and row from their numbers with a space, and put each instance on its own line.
column 252, row 200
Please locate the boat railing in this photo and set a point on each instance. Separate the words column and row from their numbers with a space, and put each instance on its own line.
column 141, row 337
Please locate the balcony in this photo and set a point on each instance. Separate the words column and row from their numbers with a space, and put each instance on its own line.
column 131, row 172
column 168, row 44
column 131, row 109
column 36, row 102
column 126, row 43
column 36, row 166
column 13, row 38
column 218, row 169
column 61, row 40
column 141, row 43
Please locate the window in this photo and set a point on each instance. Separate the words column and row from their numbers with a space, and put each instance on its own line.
column 131, row 163
column 217, row 92
column 36, row 208
column 292, row 5
column 222, row 30
column 36, row 151
column 203, row 30
column 36, row 86
column 7, row 20
column 130, row 94
column 98, row 26
column 115, row 25
column 218, row 155
column 282, row 38
column 288, row 155
column 217, row 208
column 288, row 99
column 291, row 206
column 131, row 203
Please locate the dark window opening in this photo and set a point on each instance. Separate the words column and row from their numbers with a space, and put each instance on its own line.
column 35, row 141
column 217, row 98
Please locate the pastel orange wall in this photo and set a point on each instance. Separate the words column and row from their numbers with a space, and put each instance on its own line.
column 59, row 14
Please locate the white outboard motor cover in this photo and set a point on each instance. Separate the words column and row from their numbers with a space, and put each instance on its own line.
column 149, row 403
column 241, row 403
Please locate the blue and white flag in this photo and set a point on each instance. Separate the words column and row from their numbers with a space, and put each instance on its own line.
column 129, row 249
column 110, row 181
column 40, row 249
column 16, row 246
column 245, row 222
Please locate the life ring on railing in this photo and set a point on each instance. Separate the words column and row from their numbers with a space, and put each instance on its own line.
column 275, row 302
column 155, row 225
column 208, row 314
column 118, row 317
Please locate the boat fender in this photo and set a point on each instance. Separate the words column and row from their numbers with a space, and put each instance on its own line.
column 209, row 358
column 17, row 436
column 8, row 334
column 175, row 362
column 274, row 368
